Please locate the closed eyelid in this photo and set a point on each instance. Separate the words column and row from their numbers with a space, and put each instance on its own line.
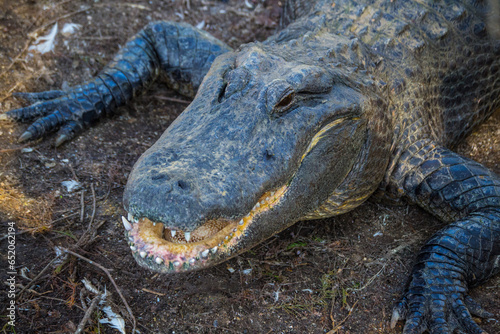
column 280, row 95
column 310, row 80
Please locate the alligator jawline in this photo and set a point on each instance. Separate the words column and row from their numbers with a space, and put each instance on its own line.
column 173, row 250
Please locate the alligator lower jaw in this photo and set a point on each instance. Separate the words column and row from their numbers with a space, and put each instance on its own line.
column 161, row 249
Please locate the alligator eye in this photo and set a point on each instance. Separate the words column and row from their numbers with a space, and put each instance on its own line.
column 280, row 97
column 286, row 101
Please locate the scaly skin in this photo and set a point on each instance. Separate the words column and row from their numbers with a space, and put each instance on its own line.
column 351, row 99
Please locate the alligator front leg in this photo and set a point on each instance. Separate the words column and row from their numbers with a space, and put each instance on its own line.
column 461, row 255
column 181, row 52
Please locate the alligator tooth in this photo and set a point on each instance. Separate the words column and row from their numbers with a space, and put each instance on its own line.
column 234, row 230
column 256, row 206
column 173, row 233
column 214, row 249
column 272, row 193
column 130, row 217
column 187, row 235
column 126, row 224
column 263, row 202
column 154, row 223
column 143, row 254
column 268, row 199
column 159, row 260
column 131, row 238
column 177, row 263
column 192, row 261
column 133, row 248
column 204, row 253
column 226, row 237
column 241, row 222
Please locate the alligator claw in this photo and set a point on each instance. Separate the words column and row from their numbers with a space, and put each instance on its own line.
column 25, row 136
column 37, row 109
column 476, row 309
column 399, row 312
column 60, row 140
column 437, row 309
column 70, row 111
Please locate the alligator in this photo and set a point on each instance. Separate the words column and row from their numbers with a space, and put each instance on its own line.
column 350, row 100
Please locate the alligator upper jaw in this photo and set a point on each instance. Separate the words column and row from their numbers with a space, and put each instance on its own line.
column 160, row 248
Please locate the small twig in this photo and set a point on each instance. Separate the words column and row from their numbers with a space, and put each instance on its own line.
column 82, row 204
column 5, row 236
column 88, row 313
column 172, row 99
column 153, row 292
column 106, row 271
column 73, row 172
column 8, row 150
column 16, row 58
column 124, row 4
column 37, row 276
column 370, row 281
column 103, row 38
column 62, row 218
column 336, row 328
column 231, row 10
column 105, row 197
column 13, row 88
column 83, row 238
column 82, row 298
column 93, row 204
column 39, row 295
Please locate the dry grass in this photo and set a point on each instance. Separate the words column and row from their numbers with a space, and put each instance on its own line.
column 31, row 214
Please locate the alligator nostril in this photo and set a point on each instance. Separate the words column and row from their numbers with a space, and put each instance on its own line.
column 268, row 155
column 183, row 185
column 222, row 92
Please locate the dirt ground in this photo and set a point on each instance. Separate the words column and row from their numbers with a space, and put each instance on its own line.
column 340, row 275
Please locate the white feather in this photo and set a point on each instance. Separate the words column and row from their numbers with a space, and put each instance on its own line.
column 44, row 44
column 70, row 28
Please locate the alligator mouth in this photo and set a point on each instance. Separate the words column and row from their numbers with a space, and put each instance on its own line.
column 166, row 249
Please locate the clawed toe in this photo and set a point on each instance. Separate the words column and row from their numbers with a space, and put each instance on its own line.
column 476, row 309
column 39, row 96
column 438, row 314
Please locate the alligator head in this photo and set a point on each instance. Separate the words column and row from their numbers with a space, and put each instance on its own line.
column 266, row 141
